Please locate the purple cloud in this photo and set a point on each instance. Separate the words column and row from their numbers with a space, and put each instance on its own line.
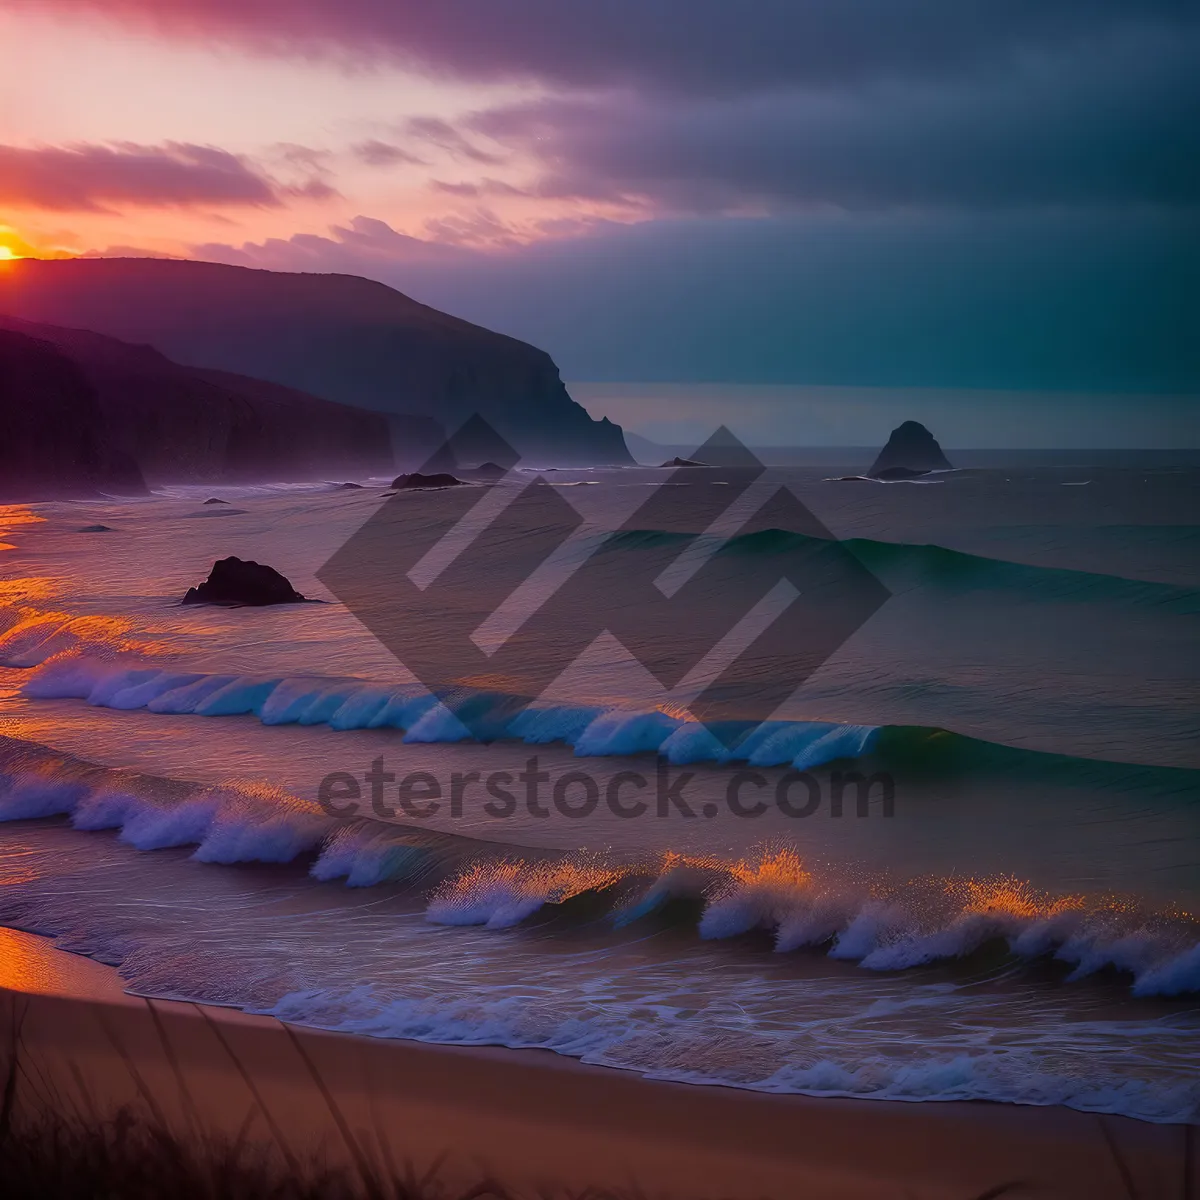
column 383, row 154
column 90, row 177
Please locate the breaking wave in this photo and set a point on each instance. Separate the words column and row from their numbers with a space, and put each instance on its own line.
column 879, row 923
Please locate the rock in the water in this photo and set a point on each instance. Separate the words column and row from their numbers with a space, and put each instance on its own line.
column 489, row 470
column 96, row 529
column 911, row 447
column 350, row 487
column 233, row 581
column 416, row 480
column 214, row 500
column 684, row 462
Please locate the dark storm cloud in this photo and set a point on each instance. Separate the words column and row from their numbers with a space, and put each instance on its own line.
column 1117, row 125
column 1097, row 301
column 706, row 46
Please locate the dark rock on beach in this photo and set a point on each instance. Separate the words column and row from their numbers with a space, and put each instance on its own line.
column 234, row 581
column 912, row 448
column 416, row 480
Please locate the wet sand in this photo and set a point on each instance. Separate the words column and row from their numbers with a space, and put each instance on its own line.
column 533, row 1119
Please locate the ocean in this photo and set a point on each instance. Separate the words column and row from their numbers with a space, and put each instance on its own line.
column 960, row 861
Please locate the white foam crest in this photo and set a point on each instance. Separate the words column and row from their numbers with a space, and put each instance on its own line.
column 404, row 708
column 25, row 797
column 538, row 726
column 304, row 701
column 693, row 742
column 1107, row 945
column 71, row 676
column 185, row 699
column 438, row 724
column 1174, row 977
column 500, row 893
column 105, row 808
column 841, row 741
column 758, row 895
column 259, row 823
column 150, row 826
column 238, row 698
column 875, row 924
column 360, row 708
column 364, row 857
column 963, row 935
column 121, row 681
column 786, row 741
column 139, row 693
column 622, row 732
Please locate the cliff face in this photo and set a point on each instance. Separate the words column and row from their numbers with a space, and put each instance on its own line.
column 54, row 439
column 911, row 447
column 176, row 424
column 337, row 336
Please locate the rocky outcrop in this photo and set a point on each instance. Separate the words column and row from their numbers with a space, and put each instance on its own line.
column 233, row 582
column 683, row 462
column 54, row 436
column 337, row 336
column 911, row 447
column 416, row 480
column 165, row 423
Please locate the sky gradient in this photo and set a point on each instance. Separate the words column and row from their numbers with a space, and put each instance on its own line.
column 843, row 193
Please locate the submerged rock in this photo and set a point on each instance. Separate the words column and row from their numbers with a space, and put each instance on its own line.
column 913, row 448
column 96, row 529
column 214, row 500
column 234, row 581
column 416, row 480
column 684, row 462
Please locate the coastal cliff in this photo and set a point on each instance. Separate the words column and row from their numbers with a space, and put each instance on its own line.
column 340, row 337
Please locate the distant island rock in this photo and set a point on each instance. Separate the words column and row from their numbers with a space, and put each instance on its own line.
column 340, row 337
column 911, row 448
column 215, row 500
column 488, row 470
column 234, row 581
column 683, row 462
column 416, row 480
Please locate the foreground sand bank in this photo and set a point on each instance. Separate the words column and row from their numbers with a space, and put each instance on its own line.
column 534, row 1119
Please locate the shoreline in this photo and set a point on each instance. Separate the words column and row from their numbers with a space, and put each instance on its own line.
column 531, row 1118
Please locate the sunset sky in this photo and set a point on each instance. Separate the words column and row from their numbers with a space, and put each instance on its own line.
column 901, row 193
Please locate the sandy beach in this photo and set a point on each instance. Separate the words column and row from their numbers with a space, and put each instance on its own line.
column 534, row 1119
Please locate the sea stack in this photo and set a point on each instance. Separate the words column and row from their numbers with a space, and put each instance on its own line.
column 910, row 448
column 233, row 582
